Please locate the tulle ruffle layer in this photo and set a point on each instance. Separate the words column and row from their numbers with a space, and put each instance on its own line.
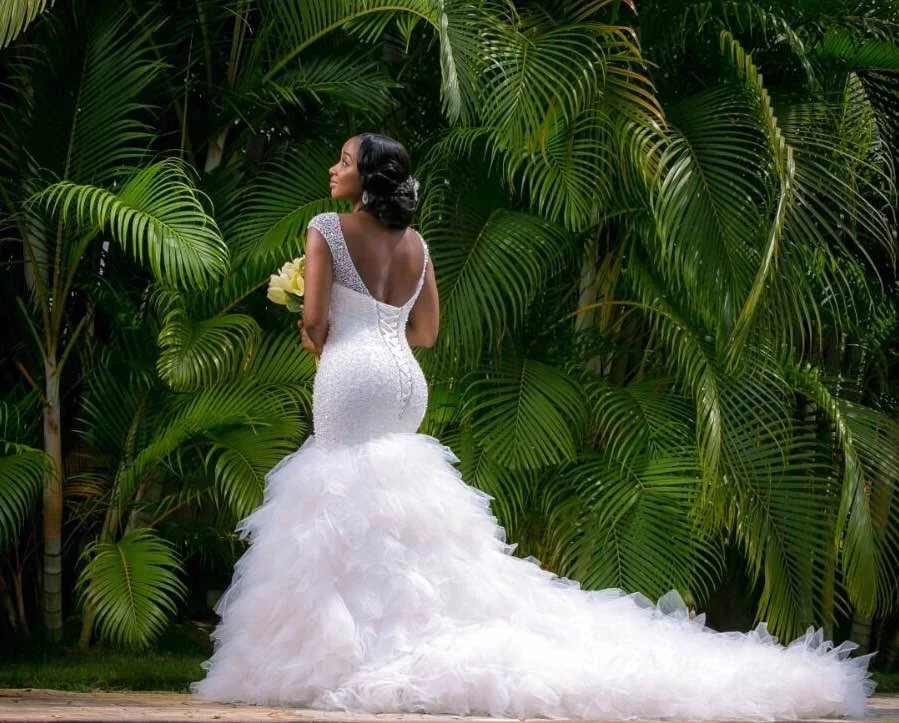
column 377, row 580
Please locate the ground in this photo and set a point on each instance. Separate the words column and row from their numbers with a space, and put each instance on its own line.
column 37, row 704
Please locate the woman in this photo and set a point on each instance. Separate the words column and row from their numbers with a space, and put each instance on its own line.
column 377, row 580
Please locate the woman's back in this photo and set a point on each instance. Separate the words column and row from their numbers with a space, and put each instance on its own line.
column 388, row 261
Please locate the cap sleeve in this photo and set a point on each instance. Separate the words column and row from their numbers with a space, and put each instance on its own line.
column 325, row 224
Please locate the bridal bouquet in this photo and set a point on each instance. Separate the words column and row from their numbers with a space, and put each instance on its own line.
column 287, row 287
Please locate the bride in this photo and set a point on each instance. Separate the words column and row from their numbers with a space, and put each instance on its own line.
column 377, row 580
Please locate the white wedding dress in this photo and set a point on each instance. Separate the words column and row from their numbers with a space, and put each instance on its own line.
column 377, row 580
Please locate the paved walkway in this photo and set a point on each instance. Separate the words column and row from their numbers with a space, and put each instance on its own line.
column 37, row 704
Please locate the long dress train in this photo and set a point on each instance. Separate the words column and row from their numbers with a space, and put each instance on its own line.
column 377, row 580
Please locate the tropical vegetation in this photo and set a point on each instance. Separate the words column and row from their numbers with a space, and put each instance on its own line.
column 665, row 241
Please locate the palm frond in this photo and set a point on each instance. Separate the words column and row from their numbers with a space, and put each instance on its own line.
column 840, row 224
column 525, row 413
column 690, row 358
column 783, row 517
column 22, row 472
column 281, row 372
column 870, row 455
column 629, row 525
column 570, row 178
column 281, row 363
column 552, row 70
column 670, row 27
column 266, row 223
column 353, row 82
column 193, row 417
column 456, row 24
column 241, row 459
column 781, row 155
column 16, row 15
column 840, row 175
column 645, row 417
column 157, row 216
column 511, row 489
column 112, row 405
column 713, row 188
column 196, row 353
column 134, row 586
column 106, row 130
column 840, row 46
column 489, row 270
column 100, row 125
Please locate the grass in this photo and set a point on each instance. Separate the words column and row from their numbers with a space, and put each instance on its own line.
column 886, row 683
column 171, row 666
column 110, row 670
column 117, row 670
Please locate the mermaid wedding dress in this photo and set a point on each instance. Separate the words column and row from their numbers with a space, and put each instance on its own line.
column 377, row 580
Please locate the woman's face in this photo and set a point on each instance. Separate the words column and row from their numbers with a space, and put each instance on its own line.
column 345, row 181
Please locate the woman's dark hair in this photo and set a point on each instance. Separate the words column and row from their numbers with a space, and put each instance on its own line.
column 388, row 188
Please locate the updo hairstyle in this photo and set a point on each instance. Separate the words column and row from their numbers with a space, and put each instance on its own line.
column 388, row 188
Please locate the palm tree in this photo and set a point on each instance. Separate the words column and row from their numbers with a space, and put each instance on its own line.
column 735, row 254
column 140, row 441
column 665, row 252
column 830, row 228
column 92, row 134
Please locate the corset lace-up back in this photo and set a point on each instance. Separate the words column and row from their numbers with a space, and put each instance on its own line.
column 368, row 381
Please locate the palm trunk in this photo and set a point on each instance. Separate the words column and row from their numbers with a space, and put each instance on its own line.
column 588, row 289
column 889, row 650
column 861, row 632
column 52, row 499
column 87, row 627
column 20, row 600
column 7, row 604
column 216, row 150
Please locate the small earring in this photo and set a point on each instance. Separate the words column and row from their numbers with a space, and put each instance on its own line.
column 365, row 198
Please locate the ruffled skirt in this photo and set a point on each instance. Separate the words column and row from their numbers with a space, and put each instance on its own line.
column 377, row 581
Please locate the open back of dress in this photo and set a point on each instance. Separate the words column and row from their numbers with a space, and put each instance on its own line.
column 368, row 381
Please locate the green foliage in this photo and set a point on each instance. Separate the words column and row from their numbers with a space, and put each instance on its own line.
column 664, row 239
column 157, row 215
column 134, row 585
column 524, row 413
column 629, row 525
column 16, row 15
column 491, row 268
column 22, row 472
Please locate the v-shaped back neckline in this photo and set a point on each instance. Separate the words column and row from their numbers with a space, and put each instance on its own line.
column 363, row 285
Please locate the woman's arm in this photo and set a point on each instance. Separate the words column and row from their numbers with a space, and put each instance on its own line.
column 317, row 292
column 424, row 318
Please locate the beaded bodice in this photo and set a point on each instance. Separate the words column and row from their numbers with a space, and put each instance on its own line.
column 368, row 381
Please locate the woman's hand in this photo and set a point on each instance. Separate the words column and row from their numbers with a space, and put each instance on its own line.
column 308, row 344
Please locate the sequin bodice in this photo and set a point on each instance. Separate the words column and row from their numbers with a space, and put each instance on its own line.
column 368, row 381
